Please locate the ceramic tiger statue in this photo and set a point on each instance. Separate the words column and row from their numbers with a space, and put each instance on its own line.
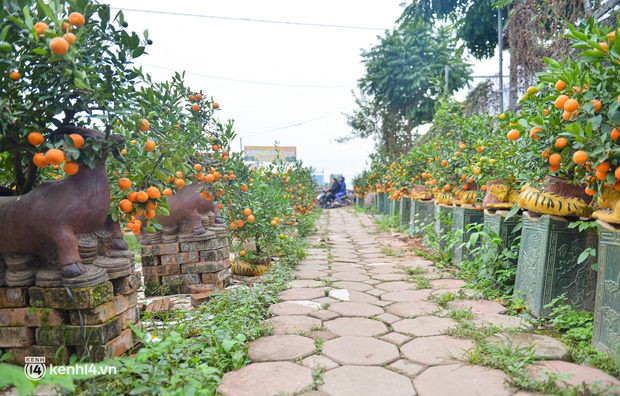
column 550, row 203
column 609, row 199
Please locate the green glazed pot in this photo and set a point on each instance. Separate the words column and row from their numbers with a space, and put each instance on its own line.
column 462, row 217
column 422, row 213
column 548, row 267
column 607, row 304
column 405, row 212
column 443, row 220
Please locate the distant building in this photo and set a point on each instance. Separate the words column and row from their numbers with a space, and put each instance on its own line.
column 319, row 178
column 269, row 153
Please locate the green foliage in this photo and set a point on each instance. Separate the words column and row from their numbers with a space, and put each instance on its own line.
column 191, row 355
column 403, row 80
column 91, row 81
column 476, row 21
column 493, row 268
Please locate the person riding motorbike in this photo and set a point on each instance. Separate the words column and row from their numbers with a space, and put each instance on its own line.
column 334, row 188
column 342, row 189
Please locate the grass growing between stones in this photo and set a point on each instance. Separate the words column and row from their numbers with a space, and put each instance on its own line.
column 190, row 355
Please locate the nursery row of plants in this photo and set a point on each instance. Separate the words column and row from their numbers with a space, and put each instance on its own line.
column 565, row 125
column 522, row 190
column 70, row 62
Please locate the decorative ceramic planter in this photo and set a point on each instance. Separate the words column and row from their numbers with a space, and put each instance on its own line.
column 405, row 212
column 464, row 215
column 495, row 220
column 422, row 213
column 394, row 208
column 382, row 204
column 548, row 267
column 607, row 307
column 443, row 220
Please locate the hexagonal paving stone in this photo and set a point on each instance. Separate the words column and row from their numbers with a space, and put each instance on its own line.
column 357, row 286
column 352, row 295
column 412, row 308
column 389, row 318
column 580, row 374
column 406, row 367
column 456, row 379
column 389, row 277
column 266, row 379
column 280, row 347
column 349, row 268
column 356, row 327
column 447, row 283
column 396, row 338
column 406, row 295
column 420, row 262
column 312, row 267
column 356, row 381
column 305, row 283
column 478, row 306
column 322, row 335
column 294, row 307
column 309, row 274
column 386, row 269
column 356, row 309
column 396, row 286
column 435, row 350
column 302, row 293
column 360, row 351
column 544, row 347
column 350, row 276
column 424, row 326
column 376, row 292
column 324, row 314
column 317, row 362
column 292, row 324
column 502, row 321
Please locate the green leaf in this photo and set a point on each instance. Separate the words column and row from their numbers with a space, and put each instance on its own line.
column 39, row 51
column 583, row 256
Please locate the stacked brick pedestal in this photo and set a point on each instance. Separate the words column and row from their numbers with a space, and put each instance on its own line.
column 91, row 322
column 180, row 262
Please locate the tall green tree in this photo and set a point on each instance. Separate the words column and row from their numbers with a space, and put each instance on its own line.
column 404, row 78
column 475, row 21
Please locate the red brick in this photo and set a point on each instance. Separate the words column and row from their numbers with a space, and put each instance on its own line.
column 162, row 270
column 16, row 336
column 127, row 284
column 104, row 312
column 150, row 261
column 13, row 297
column 158, row 250
column 130, row 317
column 198, row 289
column 179, row 258
column 159, row 305
column 114, row 348
column 227, row 263
column 198, row 299
column 215, row 277
column 85, row 297
column 53, row 354
column 30, row 317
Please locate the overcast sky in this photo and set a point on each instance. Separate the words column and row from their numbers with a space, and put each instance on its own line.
column 296, row 79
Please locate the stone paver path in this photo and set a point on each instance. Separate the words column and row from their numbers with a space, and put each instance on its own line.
column 360, row 324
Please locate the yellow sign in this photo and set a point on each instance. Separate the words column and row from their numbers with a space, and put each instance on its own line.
column 269, row 153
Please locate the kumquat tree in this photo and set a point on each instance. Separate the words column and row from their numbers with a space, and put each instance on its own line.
column 143, row 253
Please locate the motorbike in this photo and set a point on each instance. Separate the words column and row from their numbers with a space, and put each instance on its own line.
column 323, row 203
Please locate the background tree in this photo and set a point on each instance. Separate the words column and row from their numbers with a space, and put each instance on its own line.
column 403, row 80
